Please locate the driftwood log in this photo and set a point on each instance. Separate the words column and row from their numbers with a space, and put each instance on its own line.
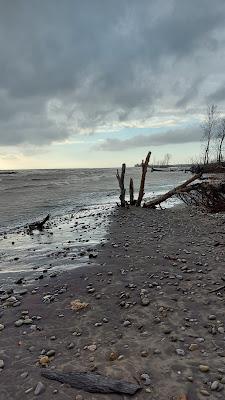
column 92, row 382
column 120, row 179
column 39, row 224
column 158, row 200
column 144, row 166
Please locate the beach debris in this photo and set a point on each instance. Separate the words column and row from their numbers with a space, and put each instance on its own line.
column 92, row 382
column 158, row 200
column 113, row 356
column 77, row 305
column 120, row 179
column 209, row 195
column 39, row 225
column 43, row 360
column 144, row 166
column 2, row 364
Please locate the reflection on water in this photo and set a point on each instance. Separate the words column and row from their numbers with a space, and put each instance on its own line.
column 67, row 243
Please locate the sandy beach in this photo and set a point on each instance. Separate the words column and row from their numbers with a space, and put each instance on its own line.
column 151, row 317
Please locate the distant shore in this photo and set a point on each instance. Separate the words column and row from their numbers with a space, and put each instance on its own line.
column 150, row 317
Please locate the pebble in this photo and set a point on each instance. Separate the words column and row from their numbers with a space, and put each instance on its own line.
column 70, row 346
column 113, row 356
column 146, row 378
column 145, row 301
column 19, row 322
column 50, row 353
column 92, row 347
column 2, row 364
column 215, row 385
column 203, row 368
column 126, row 323
column 204, row 392
column 40, row 388
column 193, row 347
column 2, row 327
column 180, row 352
column 212, row 317
column 28, row 321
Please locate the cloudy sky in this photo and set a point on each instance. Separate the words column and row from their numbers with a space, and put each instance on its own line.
column 93, row 83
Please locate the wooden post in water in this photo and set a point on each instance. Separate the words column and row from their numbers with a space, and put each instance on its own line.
column 131, row 189
column 142, row 185
column 120, row 179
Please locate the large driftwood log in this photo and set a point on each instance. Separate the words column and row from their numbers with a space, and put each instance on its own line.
column 92, row 382
column 120, row 179
column 39, row 224
column 142, row 185
column 158, row 200
column 131, row 189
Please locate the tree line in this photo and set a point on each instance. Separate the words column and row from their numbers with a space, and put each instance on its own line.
column 214, row 135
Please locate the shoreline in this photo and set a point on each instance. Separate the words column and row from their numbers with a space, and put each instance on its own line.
column 151, row 317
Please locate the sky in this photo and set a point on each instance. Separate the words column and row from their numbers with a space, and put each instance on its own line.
column 94, row 83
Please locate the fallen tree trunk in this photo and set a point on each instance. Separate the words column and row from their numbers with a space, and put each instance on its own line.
column 142, row 185
column 156, row 201
column 120, row 179
column 39, row 224
column 92, row 382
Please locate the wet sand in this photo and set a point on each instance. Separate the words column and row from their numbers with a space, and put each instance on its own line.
column 151, row 317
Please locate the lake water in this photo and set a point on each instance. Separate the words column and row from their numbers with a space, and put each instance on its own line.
column 29, row 195
column 80, row 202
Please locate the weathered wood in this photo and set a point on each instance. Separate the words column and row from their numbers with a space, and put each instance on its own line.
column 92, row 382
column 217, row 289
column 120, row 179
column 207, row 194
column 131, row 188
column 142, row 184
column 156, row 201
column 39, row 224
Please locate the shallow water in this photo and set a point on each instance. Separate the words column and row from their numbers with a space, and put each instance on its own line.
column 29, row 195
column 80, row 203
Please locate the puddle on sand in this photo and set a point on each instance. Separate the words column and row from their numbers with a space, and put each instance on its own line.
column 65, row 244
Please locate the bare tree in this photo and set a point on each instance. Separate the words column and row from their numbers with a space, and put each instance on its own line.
column 208, row 127
column 167, row 159
column 220, row 136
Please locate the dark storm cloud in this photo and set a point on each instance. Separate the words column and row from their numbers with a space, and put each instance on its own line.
column 218, row 96
column 176, row 136
column 102, row 63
